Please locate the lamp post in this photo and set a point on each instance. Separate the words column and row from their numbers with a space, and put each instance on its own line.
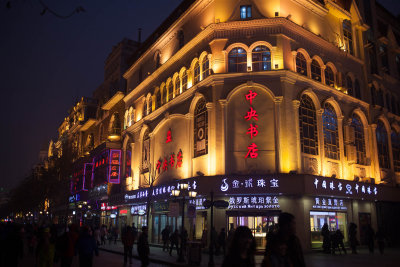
column 192, row 194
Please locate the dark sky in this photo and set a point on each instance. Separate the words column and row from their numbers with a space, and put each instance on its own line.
column 46, row 63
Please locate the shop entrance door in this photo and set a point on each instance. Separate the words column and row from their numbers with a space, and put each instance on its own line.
column 334, row 220
column 259, row 225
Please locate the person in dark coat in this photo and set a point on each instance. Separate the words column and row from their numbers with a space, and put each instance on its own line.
column 242, row 249
column 143, row 247
column 165, row 237
column 174, row 240
column 353, row 237
column 86, row 246
column 326, row 241
column 380, row 238
column 338, row 242
column 66, row 246
column 284, row 246
column 222, row 240
column 370, row 238
column 127, row 238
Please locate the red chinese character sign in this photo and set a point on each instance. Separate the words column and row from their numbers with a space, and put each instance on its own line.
column 114, row 166
column 252, row 130
column 170, row 162
column 169, row 137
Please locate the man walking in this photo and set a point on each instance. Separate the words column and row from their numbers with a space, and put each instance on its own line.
column 143, row 247
column 127, row 240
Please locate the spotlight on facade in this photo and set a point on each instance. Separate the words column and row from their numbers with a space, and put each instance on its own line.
column 192, row 194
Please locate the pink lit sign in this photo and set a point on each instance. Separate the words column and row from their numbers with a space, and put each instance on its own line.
column 114, row 166
column 253, row 128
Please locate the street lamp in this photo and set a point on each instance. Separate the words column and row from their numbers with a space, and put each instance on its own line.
column 175, row 193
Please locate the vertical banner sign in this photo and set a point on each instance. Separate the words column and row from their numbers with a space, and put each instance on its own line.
column 114, row 166
column 87, row 176
column 200, row 131
column 252, row 117
column 146, row 154
column 128, row 168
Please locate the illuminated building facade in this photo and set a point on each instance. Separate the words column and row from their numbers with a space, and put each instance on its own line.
column 268, row 105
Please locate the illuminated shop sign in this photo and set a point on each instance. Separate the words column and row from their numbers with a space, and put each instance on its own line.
column 198, row 203
column 123, row 212
column 253, row 202
column 169, row 137
column 138, row 209
column 74, row 198
column 164, row 190
column 128, row 168
column 114, row 166
column 252, row 130
column 229, row 184
column 87, row 176
column 329, row 203
column 343, row 187
column 169, row 162
column 105, row 206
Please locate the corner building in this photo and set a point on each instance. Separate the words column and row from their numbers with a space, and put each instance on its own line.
column 267, row 105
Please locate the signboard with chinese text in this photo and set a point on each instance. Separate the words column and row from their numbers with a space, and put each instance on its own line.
column 329, row 203
column 114, row 166
column 253, row 202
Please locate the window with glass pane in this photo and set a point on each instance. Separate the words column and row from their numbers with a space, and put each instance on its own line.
column 184, row 81
column 384, row 57
column 331, row 136
column 177, row 86
column 357, row 89
column 164, row 95
column 329, row 77
column 349, row 86
column 308, row 126
column 301, row 64
column 150, row 106
column 196, row 77
column 348, row 36
column 261, row 58
column 145, row 111
column 158, row 99
column 383, row 147
column 245, row 12
column 206, row 67
column 169, row 91
column 359, row 140
column 200, row 129
column 237, row 60
column 315, row 70
column 396, row 150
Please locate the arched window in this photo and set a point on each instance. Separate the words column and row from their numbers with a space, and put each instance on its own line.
column 261, row 58
column 349, row 86
column 146, row 152
column 359, row 140
column 301, row 64
column 329, row 77
column 206, row 67
column 315, row 70
column 164, row 95
column 177, row 86
column 383, row 147
column 149, row 108
column 237, row 60
column 184, row 81
column 396, row 150
column 308, row 126
column 200, row 129
column 145, row 108
column 331, row 136
column 357, row 89
column 196, row 74
column 158, row 99
column 169, row 91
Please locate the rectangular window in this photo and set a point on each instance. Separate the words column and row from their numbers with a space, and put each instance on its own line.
column 245, row 12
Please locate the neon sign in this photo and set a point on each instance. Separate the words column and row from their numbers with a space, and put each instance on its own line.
column 162, row 165
column 252, row 130
column 248, row 183
column 329, row 203
column 114, row 168
column 87, row 176
column 344, row 187
column 253, row 202
column 169, row 137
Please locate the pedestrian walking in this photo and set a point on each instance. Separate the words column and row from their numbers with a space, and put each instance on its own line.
column 284, row 244
column 45, row 250
column 370, row 238
column 353, row 237
column 96, row 235
column 174, row 240
column 380, row 238
column 103, row 234
column 222, row 240
column 338, row 244
column 127, row 240
column 165, row 237
column 143, row 247
column 326, row 239
column 86, row 247
column 135, row 233
column 66, row 245
column 241, row 250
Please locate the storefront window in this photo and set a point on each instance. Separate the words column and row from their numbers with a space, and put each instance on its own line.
column 334, row 220
column 259, row 226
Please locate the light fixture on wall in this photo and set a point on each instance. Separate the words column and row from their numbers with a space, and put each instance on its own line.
column 276, row 14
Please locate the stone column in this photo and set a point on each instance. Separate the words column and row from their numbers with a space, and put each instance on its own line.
column 296, row 105
column 277, row 110
column 223, row 103
column 320, row 132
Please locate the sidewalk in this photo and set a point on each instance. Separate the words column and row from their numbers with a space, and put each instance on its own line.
column 313, row 259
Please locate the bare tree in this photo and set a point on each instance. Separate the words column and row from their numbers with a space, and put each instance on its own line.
column 148, row 182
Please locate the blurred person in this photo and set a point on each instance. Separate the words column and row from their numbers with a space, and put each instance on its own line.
column 241, row 250
column 127, row 238
column 45, row 249
column 86, row 246
column 353, row 237
column 143, row 247
column 165, row 237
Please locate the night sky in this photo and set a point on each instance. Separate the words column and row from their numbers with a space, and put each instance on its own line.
column 47, row 63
